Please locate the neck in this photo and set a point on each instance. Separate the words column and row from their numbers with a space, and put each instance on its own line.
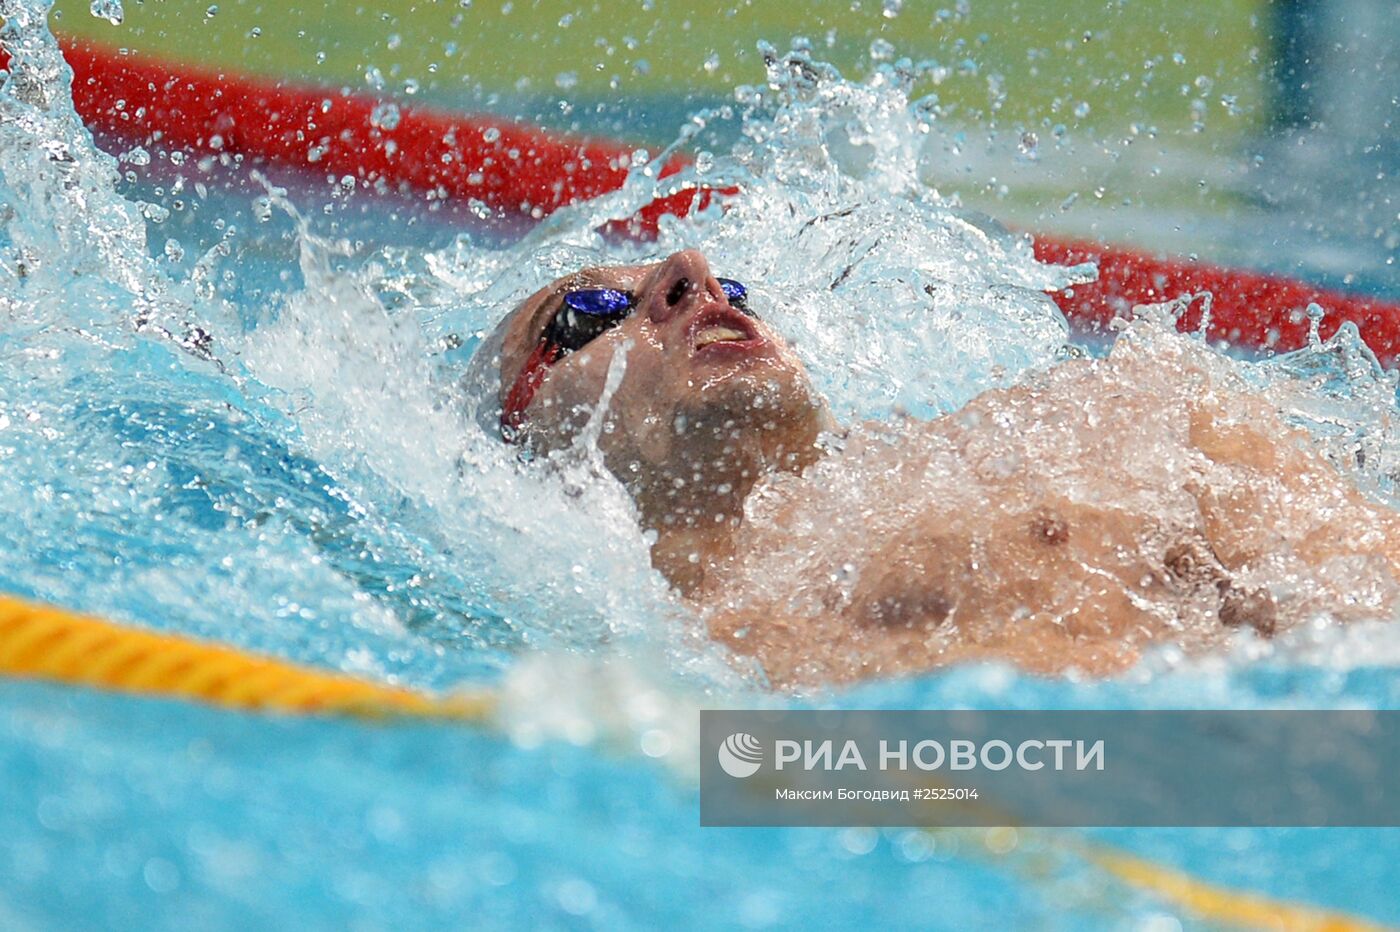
column 694, row 502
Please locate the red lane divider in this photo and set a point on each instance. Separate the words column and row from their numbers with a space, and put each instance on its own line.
column 511, row 167
column 1247, row 309
column 515, row 168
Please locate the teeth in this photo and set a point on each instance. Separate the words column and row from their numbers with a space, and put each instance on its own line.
column 718, row 335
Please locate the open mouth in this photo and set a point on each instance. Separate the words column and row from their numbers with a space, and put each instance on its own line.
column 718, row 335
column 722, row 327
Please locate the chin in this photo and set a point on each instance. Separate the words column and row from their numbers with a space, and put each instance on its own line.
column 757, row 395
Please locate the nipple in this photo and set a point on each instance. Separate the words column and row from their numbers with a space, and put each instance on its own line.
column 1050, row 528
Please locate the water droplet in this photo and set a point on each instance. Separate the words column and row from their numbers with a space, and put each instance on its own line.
column 566, row 80
column 881, row 50
column 704, row 161
column 212, row 12
column 110, row 10
column 1198, row 115
column 374, row 78
column 385, row 115
column 1081, row 110
column 490, row 134
column 394, row 41
column 1315, row 316
column 926, row 108
column 711, row 63
column 890, row 8
column 173, row 250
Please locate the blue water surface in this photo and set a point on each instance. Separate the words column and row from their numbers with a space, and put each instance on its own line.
column 159, row 486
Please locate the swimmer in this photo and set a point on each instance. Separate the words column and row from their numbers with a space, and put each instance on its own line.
column 1066, row 523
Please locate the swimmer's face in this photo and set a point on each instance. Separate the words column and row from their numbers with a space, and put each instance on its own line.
column 697, row 370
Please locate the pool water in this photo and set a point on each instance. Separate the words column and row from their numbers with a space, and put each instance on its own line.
column 232, row 406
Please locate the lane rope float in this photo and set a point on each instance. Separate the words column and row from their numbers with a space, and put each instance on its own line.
column 42, row 642
column 1215, row 903
column 1248, row 309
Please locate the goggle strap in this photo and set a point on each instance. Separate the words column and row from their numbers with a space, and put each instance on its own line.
column 522, row 392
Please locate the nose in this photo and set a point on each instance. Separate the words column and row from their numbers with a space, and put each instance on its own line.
column 681, row 281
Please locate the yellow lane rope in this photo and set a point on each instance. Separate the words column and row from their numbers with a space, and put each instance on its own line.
column 43, row 642
column 1220, row 904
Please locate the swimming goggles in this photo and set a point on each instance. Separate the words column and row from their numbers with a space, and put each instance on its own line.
column 584, row 315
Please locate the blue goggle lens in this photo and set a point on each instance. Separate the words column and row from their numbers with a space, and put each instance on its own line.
column 599, row 302
column 586, row 314
column 735, row 292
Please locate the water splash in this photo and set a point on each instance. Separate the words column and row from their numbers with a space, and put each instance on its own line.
column 293, row 477
column 895, row 300
column 299, row 473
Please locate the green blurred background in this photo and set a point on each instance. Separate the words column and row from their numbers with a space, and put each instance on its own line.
column 1130, row 62
column 1059, row 114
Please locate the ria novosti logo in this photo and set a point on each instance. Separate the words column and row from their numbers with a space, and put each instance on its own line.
column 740, row 755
